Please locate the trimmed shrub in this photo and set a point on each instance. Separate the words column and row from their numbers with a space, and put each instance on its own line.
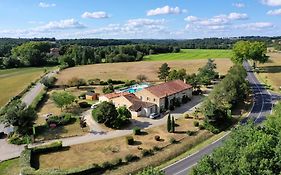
column 131, row 158
column 172, row 140
column 157, row 138
column 61, row 120
column 130, row 140
column 106, row 165
column 19, row 140
column 187, row 116
column 136, row 130
column 52, row 147
column 196, row 123
column 84, row 104
column 116, row 162
column 147, row 152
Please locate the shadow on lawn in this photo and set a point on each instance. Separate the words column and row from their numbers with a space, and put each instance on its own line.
column 270, row 69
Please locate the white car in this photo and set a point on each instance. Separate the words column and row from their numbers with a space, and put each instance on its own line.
column 154, row 115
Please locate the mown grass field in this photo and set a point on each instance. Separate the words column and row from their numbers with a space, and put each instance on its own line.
column 13, row 81
column 190, row 54
column 270, row 72
column 10, row 167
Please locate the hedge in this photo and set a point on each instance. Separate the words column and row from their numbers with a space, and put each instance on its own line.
column 54, row 146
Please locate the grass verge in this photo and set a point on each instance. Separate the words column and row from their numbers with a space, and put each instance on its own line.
column 10, row 167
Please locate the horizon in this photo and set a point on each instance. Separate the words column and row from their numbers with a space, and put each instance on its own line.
column 165, row 19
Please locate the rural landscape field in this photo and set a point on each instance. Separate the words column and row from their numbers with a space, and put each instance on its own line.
column 128, row 87
column 191, row 54
column 13, row 81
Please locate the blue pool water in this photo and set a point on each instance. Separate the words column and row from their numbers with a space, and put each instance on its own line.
column 136, row 88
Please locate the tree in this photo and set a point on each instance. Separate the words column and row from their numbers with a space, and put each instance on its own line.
column 246, row 50
column 20, row 116
column 173, row 125
column 63, row 99
column 169, row 123
column 77, row 82
column 107, row 114
column 207, row 73
column 48, row 81
column 108, row 89
column 177, row 74
column 150, row 171
column 163, row 72
column 141, row 77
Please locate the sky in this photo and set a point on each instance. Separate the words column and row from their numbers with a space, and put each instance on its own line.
column 139, row 19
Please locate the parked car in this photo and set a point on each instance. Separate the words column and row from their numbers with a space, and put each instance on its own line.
column 154, row 115
column 94, row 106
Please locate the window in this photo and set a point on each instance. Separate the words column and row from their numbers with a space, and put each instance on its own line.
column 147, row 98
column 154, row 99
column 141, row 97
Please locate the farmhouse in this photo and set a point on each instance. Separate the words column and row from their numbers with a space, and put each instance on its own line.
column 166, row 94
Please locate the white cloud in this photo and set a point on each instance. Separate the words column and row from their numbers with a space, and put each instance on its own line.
column 95, row 15
column 217, row 20
column 46, row 5
column 239, row 5
column 144, row 22
column 272, row 2
column 274, row 12
column 255, row 26
column 165, row 10
column 237, row 16
column 61, row 25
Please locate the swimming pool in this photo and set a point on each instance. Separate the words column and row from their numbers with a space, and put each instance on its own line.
column 136, row 88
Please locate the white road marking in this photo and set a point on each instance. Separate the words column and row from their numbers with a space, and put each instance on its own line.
column 185, row 169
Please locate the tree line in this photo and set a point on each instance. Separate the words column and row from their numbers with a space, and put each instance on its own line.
column 38, row 54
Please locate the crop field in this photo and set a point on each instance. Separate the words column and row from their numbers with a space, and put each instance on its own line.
column 13, row 81
column 129, row 71
column 191, row 54
column 270, row 72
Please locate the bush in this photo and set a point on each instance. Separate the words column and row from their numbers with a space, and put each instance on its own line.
column 131, row 157
column 172, row 140
column 63, row 119
column 106, row 165
column 136, row 130
column 84, row 104
column 157, row 138
column 191, row 133
column 187, row 116
column 156, row 148
column 130, row 140
column 196, row 123
column 201, row 127
column 19, row 140
column 147, row 152
column 171, row 107
column 116, row 162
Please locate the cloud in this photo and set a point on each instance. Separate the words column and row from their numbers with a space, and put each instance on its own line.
column 144, row 22
column 274, row 12
column 239, row 5
column 255, row 26
column 95, row 15
column 217, row 20
column 46, row 5
column 165, row 11
column 272, row 2
column 61, row 25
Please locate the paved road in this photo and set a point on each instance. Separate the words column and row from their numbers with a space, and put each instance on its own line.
column 263, row 102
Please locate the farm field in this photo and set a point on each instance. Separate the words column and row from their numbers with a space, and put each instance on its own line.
column 129, row 71
column 13, row 81
column 190, row 54
column 270, row 72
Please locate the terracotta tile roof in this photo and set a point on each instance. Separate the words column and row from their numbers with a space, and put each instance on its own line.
column 115, row 95
column 137, row 104
column 168, row 88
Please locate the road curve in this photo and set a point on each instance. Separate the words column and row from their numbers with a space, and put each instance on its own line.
column 263, row 102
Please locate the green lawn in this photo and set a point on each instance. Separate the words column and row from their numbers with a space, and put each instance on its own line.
column 189, row 54
column 10, row 167
column 13, row 81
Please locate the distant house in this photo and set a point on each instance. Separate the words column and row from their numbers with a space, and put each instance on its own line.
column 55, row 51
column 165, row 94
column 91, row 96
